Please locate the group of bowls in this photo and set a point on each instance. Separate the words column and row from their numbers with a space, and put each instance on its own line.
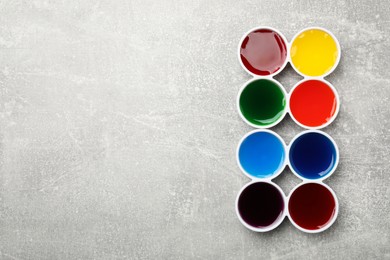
column 312, row 155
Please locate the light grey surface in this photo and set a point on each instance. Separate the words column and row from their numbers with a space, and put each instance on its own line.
column 118, row 129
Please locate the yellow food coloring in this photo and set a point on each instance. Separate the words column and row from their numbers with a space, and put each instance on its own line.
column 314, row 52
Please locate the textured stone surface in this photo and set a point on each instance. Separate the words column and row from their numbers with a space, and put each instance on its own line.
column 118, row 129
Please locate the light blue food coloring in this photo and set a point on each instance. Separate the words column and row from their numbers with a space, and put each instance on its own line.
column 261, row 154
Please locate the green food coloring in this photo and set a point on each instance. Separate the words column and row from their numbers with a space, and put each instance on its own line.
column 262, row 102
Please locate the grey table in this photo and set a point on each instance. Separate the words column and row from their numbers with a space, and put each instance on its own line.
column 118, row 129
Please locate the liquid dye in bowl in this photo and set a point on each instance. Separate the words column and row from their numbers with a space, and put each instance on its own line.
column 312, row 206
column 262, row 102
column 261, row 154
column 263, row 52
column 314, row 52
column 312, row 155
column 260, row 205
column 313, row 103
